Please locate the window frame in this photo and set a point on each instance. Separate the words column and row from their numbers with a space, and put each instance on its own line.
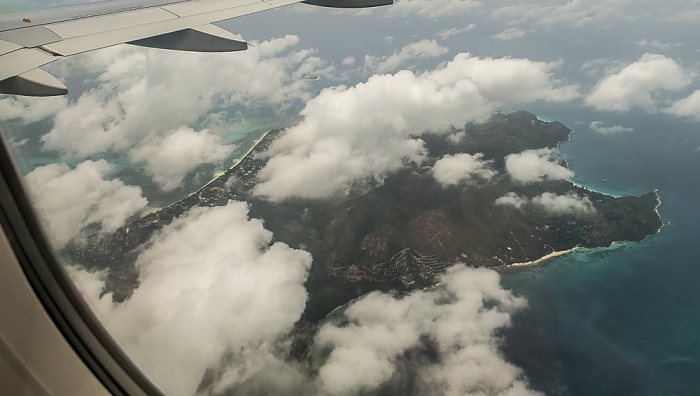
column 56, row 292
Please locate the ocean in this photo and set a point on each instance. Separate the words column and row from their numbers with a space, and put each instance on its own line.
column 625, row 320
column 617, row 321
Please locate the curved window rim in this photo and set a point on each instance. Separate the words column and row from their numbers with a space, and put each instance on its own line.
column 55, row 290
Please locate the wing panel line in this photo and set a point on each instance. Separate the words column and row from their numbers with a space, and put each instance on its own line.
column 21, row 61
column 84, row 27
column 81, row 44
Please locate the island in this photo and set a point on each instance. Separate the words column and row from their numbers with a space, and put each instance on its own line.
column 402, row 234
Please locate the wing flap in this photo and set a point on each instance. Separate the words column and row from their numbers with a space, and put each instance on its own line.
column 81, row 44
column 349, row 3
column 23, row 60
column 32, row 36
column 203, row 39
column 6, row 47
column 34, row 83
column 202, row 7
column 30, row 41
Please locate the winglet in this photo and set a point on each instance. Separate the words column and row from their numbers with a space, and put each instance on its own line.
column 33, row 83
column 207, row 38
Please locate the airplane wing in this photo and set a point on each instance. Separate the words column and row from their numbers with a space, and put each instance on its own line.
column 32, row 39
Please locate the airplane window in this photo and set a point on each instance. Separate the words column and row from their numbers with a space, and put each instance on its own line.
column 438, row 197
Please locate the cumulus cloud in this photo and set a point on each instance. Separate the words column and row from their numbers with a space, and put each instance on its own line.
column 70, row 200
column 351, row 134
column 144, row 95
column 509, row 80
column 570, row 203
column 687, row 107
column 603, row 66
column 419, row 50
column 459, row 319
column 445, row 34
column 349, row 61
column 657, row 44
column 212, row 289
column 531, row 166
column 461, row 168
column 456, row 137
column 169, row 159
column 511, row 199
column 29, row 109
column 573, row 12
column 686, row 15
column 510, row 34
column 638, row 84
column 598, row 127
column 434, row 8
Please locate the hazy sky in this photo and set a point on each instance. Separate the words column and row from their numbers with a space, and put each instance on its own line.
column 386, row 75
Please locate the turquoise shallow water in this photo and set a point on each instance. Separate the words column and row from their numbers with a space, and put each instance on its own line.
column 621, row 321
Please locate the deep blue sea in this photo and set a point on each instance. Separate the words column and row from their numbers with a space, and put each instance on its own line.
column 626, row 320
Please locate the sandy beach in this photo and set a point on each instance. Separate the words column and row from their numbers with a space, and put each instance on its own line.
column 216, row 175
column 599, row 191
column 543, row 258
column 235, row 164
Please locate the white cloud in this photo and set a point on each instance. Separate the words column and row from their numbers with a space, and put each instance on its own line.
column 143, row 95
column 434, row 8
column 349, row 61
column 511, row 199
column 598, row 127
column 509, row 80
column 603, row 66
column 461, row 168
column 570, row 203
column 686, row 15
column 574, row 12
column 351, row 134
column 461, row 318
column 29, row 109
column 687, row 107
column 455, row 31
column 456, row 137
column 657, row 44
column 638, row 84
column 212, row 288
column 532, row 166
column 419, row 50
column 510, row 34
column 69, row 200
column 169, row 159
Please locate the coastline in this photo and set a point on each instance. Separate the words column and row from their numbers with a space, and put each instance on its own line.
column 232, row 167
column 555, row 253
column 656, row 209
column 235, row 164
column 558, row 253
column 612, row 245
column 608, row 193
column 217, row 175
